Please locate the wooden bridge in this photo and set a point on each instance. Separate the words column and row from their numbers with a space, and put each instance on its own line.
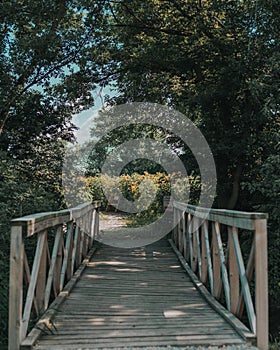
column 196, row 287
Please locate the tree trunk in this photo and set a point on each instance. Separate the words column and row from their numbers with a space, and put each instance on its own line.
column 235, row 187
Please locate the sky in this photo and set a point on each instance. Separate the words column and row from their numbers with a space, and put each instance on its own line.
column 85, row 120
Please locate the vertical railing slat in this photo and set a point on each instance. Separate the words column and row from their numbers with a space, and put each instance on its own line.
column 75, row 246
column 52, row 266
column 233, row 275
column 66, row 253
column 261, row 287
column 198, row 246
column 216, row 265
column 47, row 271
column 184, row 236
column 42, row 275
column 16, row 279
column 208, row 256
column 190, row 234
column 222, row 264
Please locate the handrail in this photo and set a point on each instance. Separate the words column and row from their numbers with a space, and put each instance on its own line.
column 208, row 239
column 64, row 238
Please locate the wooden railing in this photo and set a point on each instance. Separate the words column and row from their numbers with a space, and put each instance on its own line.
column 47, row 250
column 212, row 245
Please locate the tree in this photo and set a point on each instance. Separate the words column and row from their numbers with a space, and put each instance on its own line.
column 217, row 62
column 210, row 60
column 49, row 52
column 48, row 58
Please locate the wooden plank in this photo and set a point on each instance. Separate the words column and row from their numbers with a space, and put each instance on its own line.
column 66, row 253
column 34, row 223
column 185, row 245
column 32, row 285
column 190, row 235
column 194, row 262
column 261, row 287
column 249, row 274
column 242, row 330
column 175, row 230
column 82, row 210
column 93, row 215
column 132, row 304
column 75, row 247
column 50, row 280
column 216, row 265
column 96, row 223
column 42, row 275
column 87, row 234
column 27, row 277
column 234, row 218
column 45, row 321
column 233, row 275
column 222, row 264
column 204, row 267
column 208, row 255
column 141, row 342
column 133, row 332
column 82, row 238
column 15, row 287
column 180, row 234
column 197, row 235
column 69, row 256
column 58, row 266
column 244, row 282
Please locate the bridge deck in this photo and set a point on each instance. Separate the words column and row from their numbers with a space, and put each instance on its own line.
column 136, row 298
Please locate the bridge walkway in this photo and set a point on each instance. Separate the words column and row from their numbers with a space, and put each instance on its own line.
column 140, row 297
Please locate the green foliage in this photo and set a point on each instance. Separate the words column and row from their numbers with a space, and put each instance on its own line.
column 27, row 186
column 129, row 186
column 217, row 62
column 263, row 187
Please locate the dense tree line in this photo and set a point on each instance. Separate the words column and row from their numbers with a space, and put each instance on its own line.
column 215, row 61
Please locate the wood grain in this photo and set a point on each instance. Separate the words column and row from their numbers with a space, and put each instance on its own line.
column 136, row 297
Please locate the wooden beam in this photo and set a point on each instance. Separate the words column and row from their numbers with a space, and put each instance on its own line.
column 235, row 218
column 32, row 285
column 66, row 254
column 50, row 280
column 15, row 288
column 240, row 328
column 244, row 281
column 261, row 287
column 42, row 276
column 233, row 275
column 222, row 264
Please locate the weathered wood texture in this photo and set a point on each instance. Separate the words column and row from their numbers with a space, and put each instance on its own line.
column 44, row 256
column 136, row 298
column 214, row 254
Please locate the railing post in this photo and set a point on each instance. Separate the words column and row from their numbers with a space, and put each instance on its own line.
column 233, row 274
column 261, row 290
column 16, row 280
column 94, row 225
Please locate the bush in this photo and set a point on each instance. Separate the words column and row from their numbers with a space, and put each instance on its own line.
column 154, row 186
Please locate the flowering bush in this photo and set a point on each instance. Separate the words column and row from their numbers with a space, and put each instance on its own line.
column 130, row 187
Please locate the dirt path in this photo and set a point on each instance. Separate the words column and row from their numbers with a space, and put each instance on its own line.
column 112, row 221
